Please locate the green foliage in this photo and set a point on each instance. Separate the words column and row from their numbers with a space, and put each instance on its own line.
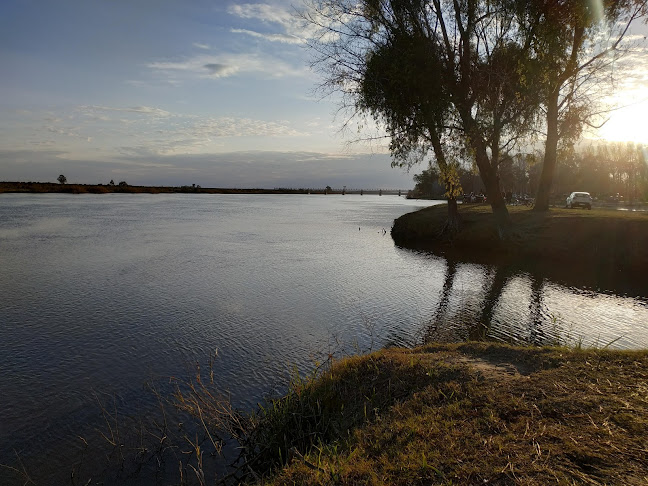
column 402, row 88
column 426, row 183
column 62, row 179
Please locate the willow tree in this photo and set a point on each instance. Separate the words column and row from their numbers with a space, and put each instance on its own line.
column 577, row 45
column 402, row 88
column 446, row 77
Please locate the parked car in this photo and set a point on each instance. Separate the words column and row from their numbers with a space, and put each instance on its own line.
column 577, row 199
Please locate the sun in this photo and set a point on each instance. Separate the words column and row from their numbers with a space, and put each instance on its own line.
column 628, row 123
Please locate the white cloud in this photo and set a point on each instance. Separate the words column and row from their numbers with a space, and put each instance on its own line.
column 143, row 110
column 199, row 45
column 283, row 38
column 242, row 127
column 206, row 134
column 226, row 65
column 294, row 28
column 263, row 12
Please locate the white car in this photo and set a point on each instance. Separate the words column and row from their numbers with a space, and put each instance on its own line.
column 576, row 199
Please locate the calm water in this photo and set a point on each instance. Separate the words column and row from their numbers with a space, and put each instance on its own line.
column 106, row 293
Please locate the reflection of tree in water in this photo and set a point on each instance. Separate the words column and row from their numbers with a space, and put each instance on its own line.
column 479, row 326
column 536, row 302
column 493, row 294
column 433, row 332
column 503, row 274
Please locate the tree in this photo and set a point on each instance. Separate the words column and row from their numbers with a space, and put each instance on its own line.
column 448, row 78
column 576, row 42
column 112, row 182
column 62, row 179
column 426, row 182
column 401, row 88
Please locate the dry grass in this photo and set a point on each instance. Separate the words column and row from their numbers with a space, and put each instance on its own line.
column 481, row 414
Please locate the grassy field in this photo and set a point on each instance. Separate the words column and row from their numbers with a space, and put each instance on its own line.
column 468, row 414
column 602, row 245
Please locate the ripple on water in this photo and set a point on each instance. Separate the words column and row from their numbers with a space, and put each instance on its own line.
column 109, row 293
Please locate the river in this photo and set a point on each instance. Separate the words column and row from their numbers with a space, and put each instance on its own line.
column 104, row 294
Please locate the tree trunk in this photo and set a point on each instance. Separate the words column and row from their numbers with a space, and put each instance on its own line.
column 502, row 218
column 453, row 225
column 494, row 195
column 550, row 156
column 488, row 174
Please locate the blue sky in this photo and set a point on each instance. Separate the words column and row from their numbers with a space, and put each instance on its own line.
column 217, row 93
column 170, row 92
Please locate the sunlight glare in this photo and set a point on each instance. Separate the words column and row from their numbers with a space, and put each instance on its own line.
column 627, row 124
column 597, row 9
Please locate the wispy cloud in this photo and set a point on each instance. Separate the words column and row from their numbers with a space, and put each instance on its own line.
column 293, row 29
column 222, row 66
column 241, row 127
column 200, row 45
column 207, row 134
column 142, row 110
column 263, row 12
column 283, row 38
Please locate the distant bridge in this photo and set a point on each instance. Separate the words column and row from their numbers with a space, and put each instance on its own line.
column 344, row 190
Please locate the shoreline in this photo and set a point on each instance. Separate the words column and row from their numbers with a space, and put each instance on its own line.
column 472, row 413
column 601, row 248
column 51, row 187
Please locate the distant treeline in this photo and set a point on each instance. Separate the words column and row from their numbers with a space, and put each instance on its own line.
column 611, row 171
column 50, row 187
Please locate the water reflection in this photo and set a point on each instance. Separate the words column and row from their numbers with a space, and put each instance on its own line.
column 517, row 305
column 536, row 304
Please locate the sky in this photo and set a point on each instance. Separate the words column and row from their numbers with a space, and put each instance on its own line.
column 171, row 92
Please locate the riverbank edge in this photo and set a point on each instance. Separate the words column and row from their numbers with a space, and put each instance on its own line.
column 602, row 247
column 474, row 413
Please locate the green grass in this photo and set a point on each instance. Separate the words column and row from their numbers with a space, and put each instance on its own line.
column 472, row 414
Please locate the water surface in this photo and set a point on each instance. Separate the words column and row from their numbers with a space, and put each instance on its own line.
column 105, row 293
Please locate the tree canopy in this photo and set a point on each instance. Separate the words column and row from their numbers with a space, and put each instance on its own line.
column 577, row 44
column 451, row 78
column 468, row 80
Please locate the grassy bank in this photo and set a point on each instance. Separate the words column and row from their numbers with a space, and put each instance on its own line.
column 468, row 414
column 602, row 245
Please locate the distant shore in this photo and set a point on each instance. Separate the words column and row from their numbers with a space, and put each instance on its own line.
column 51, row 187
